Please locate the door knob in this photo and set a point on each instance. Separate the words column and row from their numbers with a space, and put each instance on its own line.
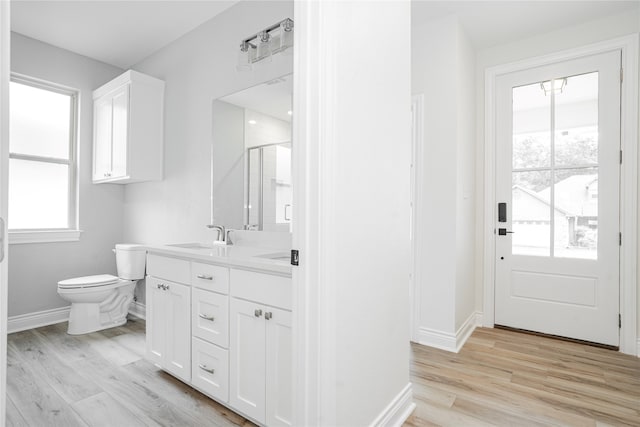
column 504, row 232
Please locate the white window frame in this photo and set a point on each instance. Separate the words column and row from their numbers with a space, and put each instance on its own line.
column 71, row 232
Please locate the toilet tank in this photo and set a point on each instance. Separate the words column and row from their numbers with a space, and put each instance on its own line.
column 130, row 260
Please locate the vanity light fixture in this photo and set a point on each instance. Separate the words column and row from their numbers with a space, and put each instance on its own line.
column 261, row 46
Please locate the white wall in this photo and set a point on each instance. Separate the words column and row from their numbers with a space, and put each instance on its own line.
column 351, row 193
column 35, row 269
column 197, row 68
column 465, row 217
column 442, row 69
column 366, row 179
column 566, row 38
column 433, row 59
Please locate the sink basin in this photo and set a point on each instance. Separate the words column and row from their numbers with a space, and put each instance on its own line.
column 192, row 245
column 280, row 256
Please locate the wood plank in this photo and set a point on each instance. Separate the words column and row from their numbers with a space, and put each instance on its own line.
column 102, row 410
column 138, row 396
column 42, row 359
column 14, row 417
column 37, row 401
column 183, row 395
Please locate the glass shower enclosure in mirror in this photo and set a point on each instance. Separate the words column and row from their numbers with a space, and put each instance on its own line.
column 251, row 158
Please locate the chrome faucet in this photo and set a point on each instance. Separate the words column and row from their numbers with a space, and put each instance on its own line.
column 222, row 232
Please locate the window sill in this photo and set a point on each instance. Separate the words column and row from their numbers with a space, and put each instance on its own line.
column 43, row 236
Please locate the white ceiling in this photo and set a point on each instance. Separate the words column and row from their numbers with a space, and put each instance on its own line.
column 120, row 33
column 491, row 23
column 123, row 33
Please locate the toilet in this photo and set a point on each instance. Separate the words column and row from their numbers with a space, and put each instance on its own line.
column 102, row 301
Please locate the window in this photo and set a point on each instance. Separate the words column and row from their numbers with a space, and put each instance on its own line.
column 42, row 165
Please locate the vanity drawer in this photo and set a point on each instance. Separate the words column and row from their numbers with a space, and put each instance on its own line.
column 176, row 270
column 210, row 277
column 210, row 369
column 264, row 288
column 210, row 316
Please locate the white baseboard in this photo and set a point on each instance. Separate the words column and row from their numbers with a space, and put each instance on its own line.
column 138, row 309
column 23, row 322
column 397, row 412
column 449, row 341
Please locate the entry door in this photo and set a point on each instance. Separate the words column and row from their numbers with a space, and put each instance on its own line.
column 557, row 234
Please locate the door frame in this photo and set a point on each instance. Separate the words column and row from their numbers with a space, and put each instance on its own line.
column 5, row 73
column 628, row 177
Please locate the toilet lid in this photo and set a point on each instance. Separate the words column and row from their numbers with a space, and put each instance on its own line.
column 88, row 281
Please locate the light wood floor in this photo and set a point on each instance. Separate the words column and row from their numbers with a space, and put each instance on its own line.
column 99, row 379
column 507, row 378
column 499, row 378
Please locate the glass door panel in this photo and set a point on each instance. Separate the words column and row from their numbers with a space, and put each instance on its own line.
column 555, row 141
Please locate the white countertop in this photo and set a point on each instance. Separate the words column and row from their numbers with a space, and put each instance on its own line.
column 272, row 260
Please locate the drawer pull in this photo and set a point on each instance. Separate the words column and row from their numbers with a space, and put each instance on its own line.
column 204, row 368
column 205, row 317
column 204, row 277
column 257, row 312
column 268, row 315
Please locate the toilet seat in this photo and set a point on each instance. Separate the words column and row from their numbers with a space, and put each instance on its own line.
column 99, row 280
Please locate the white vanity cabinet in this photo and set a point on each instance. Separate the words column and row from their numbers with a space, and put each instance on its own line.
column 128, row 129
column 225, row 331
column 169, row 326
column 260, row 347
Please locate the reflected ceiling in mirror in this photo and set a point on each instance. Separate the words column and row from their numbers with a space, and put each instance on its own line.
column 251, row 157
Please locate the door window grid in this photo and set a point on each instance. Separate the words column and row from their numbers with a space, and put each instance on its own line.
column 579, row 238
column 42, row 158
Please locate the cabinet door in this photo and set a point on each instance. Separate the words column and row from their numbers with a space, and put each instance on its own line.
column 120, row 131
column 210, row 316
column 279, row 361
column 155, row 321
column 103, row 113
column 177, row 359
column 247, row 364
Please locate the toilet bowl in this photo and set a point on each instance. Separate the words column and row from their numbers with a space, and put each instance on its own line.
column 102, row 301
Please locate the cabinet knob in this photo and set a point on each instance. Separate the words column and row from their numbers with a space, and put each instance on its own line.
column 159, row 286
column 257, row 312
column 268, row 315
column 166, row 287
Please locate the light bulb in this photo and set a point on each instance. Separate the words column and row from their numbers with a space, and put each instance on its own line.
column 264, row 47
column 286, row 37
column 244, row 57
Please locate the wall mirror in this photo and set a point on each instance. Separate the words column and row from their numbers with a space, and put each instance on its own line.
column 251, row 158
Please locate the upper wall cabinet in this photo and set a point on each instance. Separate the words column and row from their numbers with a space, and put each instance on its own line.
column 127, row 129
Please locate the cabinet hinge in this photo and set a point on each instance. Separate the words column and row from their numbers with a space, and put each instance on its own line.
column 620, row 156
column 620, row 239
column 621, row 75
column 619, row 320
column 294, row 257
